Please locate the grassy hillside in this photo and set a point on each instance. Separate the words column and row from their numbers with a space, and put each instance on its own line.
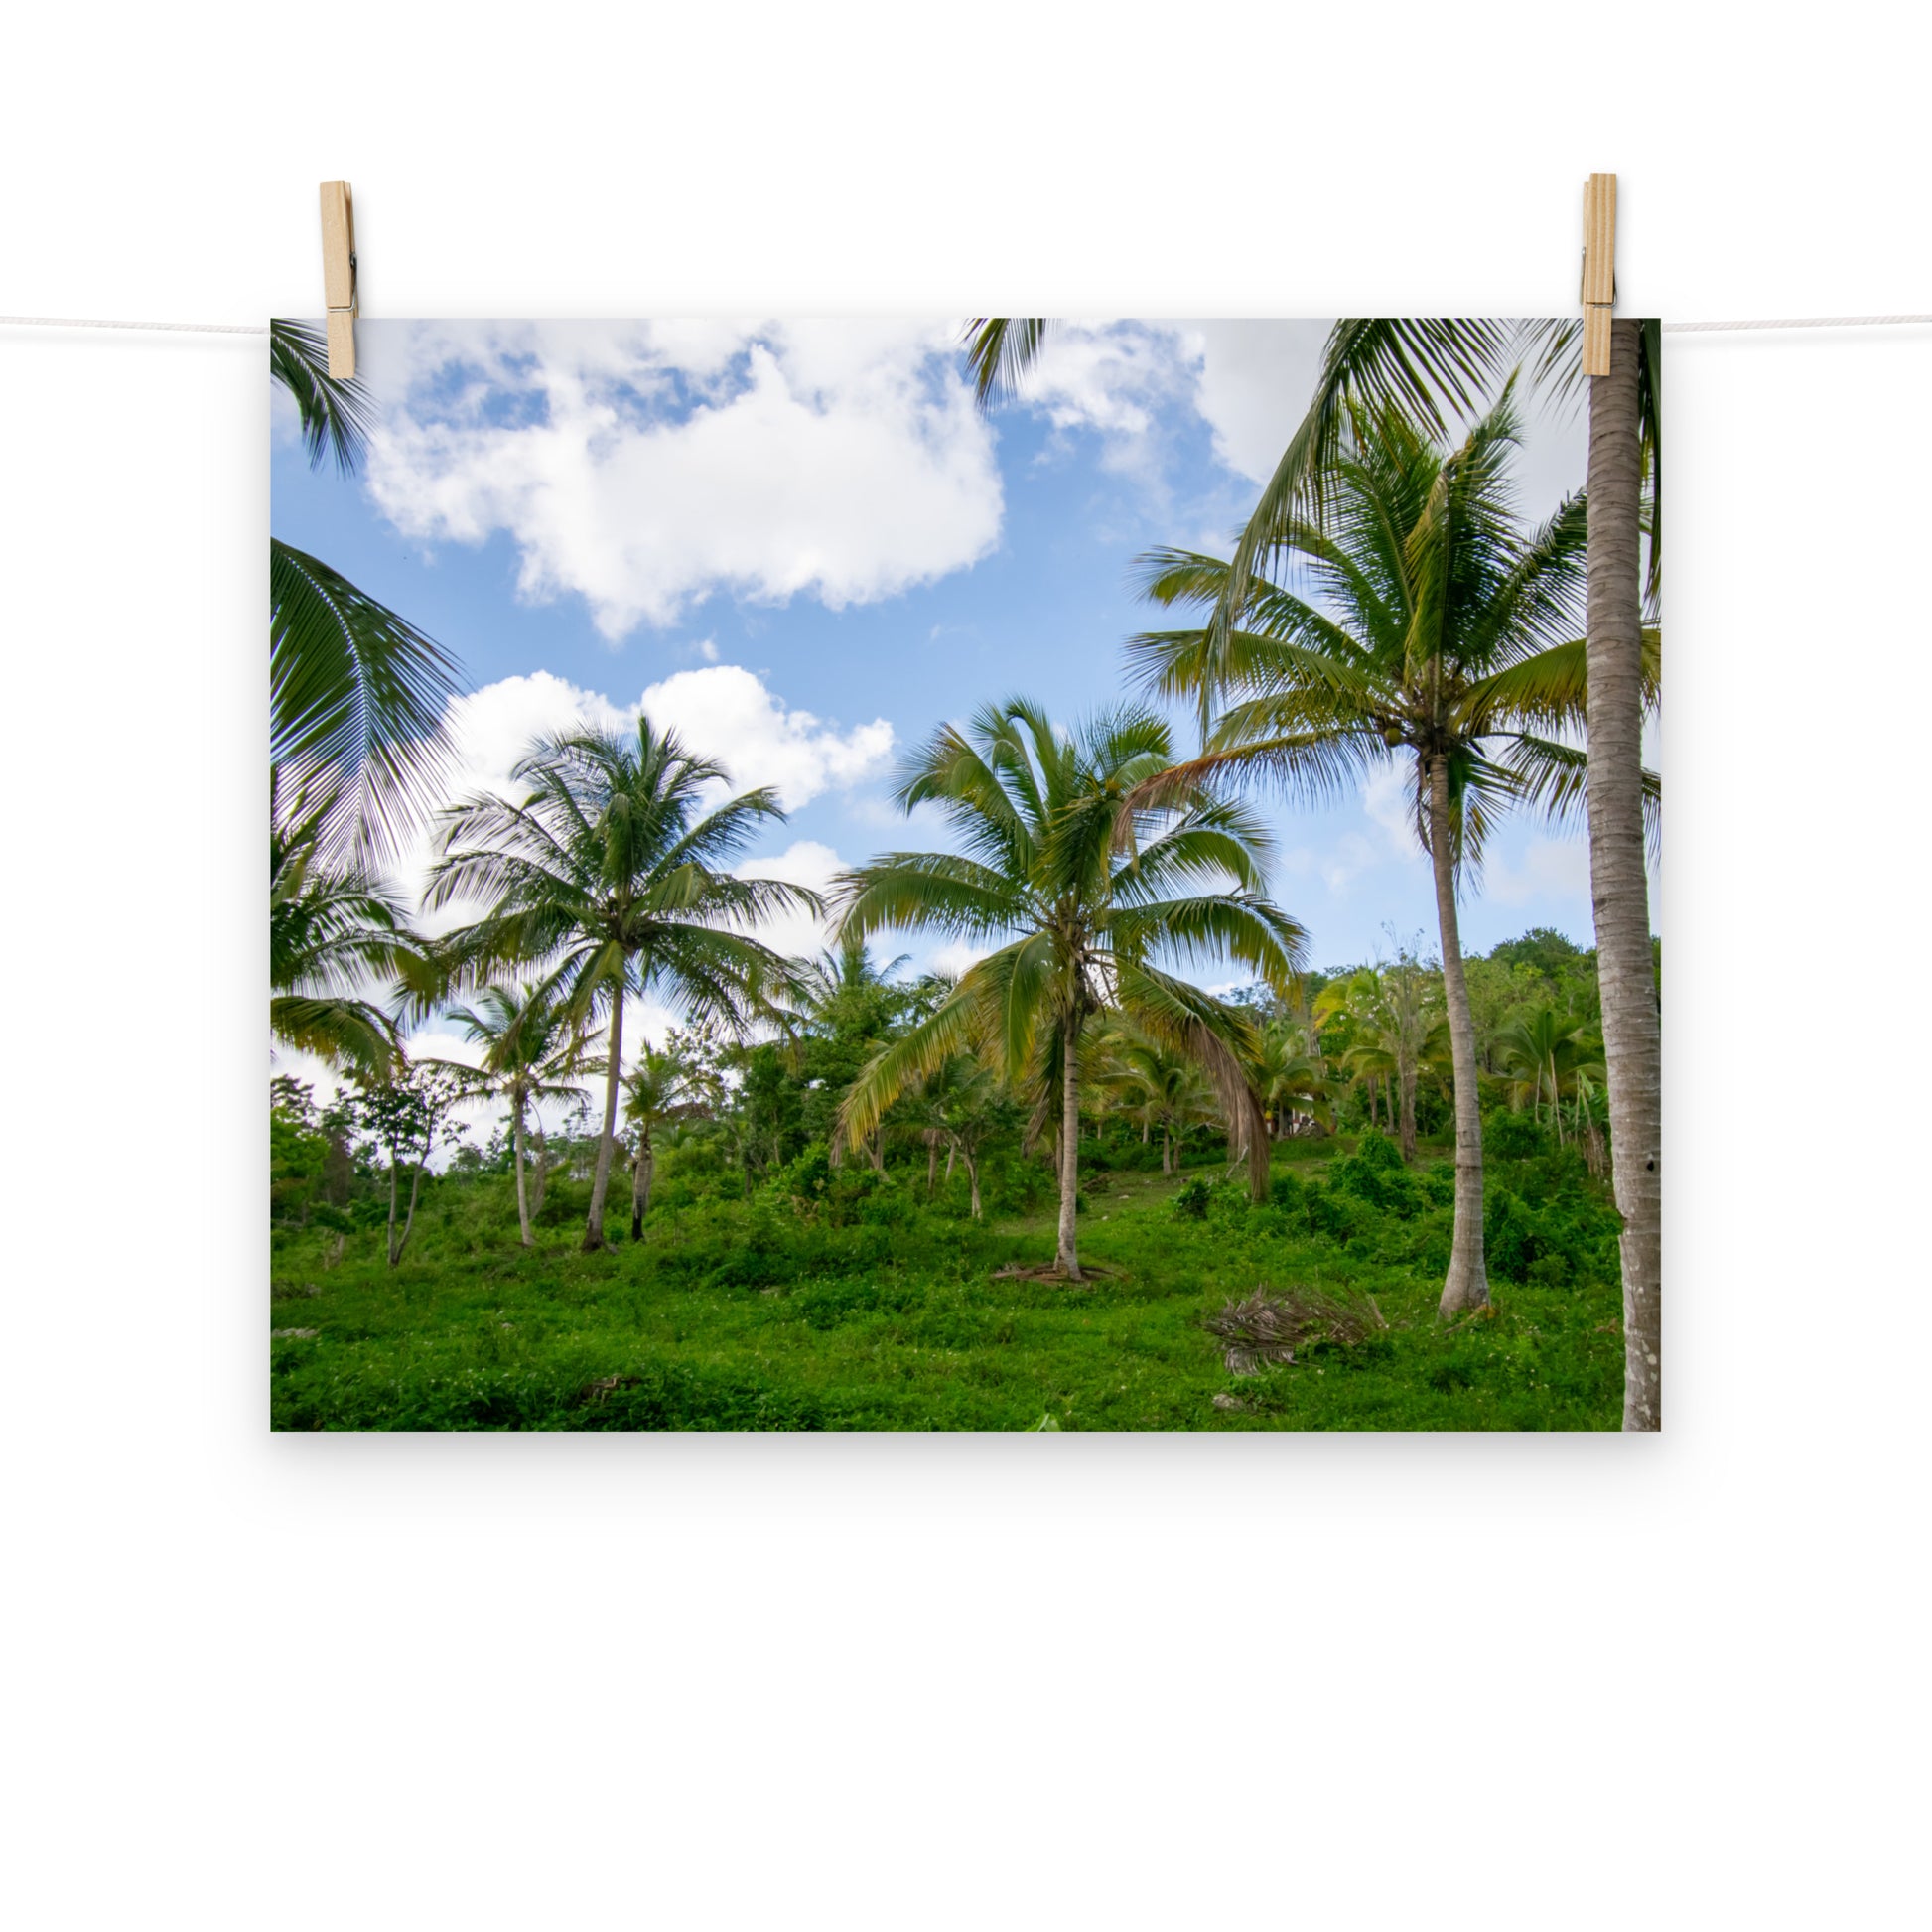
column 865, row 1308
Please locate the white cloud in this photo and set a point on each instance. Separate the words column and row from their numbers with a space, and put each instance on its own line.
column 1113, row 379
column 722, row 712
column 643, row 465
column 728, row 713
column 1551, row 869
column 956, row 956
column 1254, row 383
column 805, row 862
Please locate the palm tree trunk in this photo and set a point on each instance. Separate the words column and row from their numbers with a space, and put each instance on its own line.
column 1166, row 1150
column 973, row 1176
column 1068, row 1258
column 543, row 1167
column 1619, row 891
column 1409, row 1116
column 931, row 1164
column 641, row 1170
column 593, row 1230
column 522, row 1191
column 1467, row 1282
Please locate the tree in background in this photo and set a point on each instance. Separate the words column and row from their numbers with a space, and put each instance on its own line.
column 611, row 877
column 674, row 1082
column 1081, row 887
column 531, row 1055
column 1396, row 1028
column 403, row 1113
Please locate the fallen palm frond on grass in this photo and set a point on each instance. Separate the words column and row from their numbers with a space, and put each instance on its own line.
column 1089, row 1271
column 1264, row 1331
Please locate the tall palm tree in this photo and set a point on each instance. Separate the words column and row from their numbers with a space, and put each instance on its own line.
column 1081, row 888
column 531, row 1055
column 610, row 877
column 1433, row 629
column 1622, row 436
column 1432, row 366
column 358, row 695
column 332, row 926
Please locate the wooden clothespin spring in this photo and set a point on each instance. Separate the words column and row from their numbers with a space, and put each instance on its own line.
column 1599, row 271
column 339, row 276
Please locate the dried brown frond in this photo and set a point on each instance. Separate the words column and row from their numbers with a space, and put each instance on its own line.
column 1264, row 1329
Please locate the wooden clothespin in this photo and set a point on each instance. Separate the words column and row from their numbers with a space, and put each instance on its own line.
column 339, row 275
column 1599, row 271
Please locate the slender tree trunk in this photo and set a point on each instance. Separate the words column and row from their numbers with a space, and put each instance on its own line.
column 594, row 1229
column 394, row 1251
column 973, row 1178
column 931, row 1164
column 876, row 1146
column 1619, row 891
column 1409, row 1115
column 1068, row 1258
column 1467, row 1283
column 396, row 1246
column 543, row 1167
column 1166, row 1150
column 522, row 1192
column 642, row 1167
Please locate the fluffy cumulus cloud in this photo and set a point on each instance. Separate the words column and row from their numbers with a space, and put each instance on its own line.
column 643, row 465
column 730, row 714
column 721, row 711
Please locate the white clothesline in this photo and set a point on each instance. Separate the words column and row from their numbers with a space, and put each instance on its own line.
column 1670, row 327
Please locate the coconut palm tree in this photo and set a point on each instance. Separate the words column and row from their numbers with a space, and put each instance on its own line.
column 1289, row 1077
column 333, row 927
column 531, row 1055
column 1397, row 1028
column 1430, row 367
column 1160, row 1087
column 610, row 877
column 664, row 1086
column 358, row 695
column 1434, row 629
column 1079, row 889
column 1546, row 1053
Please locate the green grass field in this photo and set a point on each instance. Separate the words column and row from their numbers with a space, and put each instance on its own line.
column 744, row 1315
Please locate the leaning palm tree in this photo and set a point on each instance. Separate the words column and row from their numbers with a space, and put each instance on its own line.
column 1079, row 889
column 531, row 1055
column 358, row 695
column 1435, row 368
column 610, row 877
column 1433, row 629
column 334, row 927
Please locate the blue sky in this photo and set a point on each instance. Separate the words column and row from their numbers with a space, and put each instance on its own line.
column 803, row 540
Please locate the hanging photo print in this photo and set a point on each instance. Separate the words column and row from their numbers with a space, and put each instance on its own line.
column 964, row 875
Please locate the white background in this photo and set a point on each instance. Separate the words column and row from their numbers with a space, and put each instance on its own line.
column 1050, row 1682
